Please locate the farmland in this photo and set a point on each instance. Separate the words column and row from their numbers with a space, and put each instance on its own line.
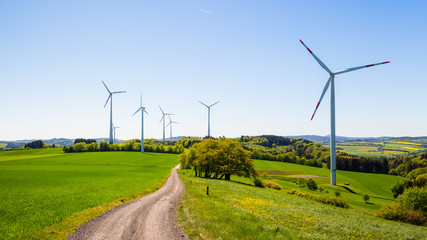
column 44, row 187
column 238, row 210
column 380, row 148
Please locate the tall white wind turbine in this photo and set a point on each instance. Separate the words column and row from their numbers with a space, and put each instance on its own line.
column 209, row 116
column 331, row 83
column 171, row 123
column 110, row 96
column 114, row 133
column 142, row 109
column 163, row 119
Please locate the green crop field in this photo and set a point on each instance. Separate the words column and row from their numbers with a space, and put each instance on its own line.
column 238, row 210
column 44, row 187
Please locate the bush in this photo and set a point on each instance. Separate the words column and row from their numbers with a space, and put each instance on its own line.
column 311, row 184
column 414, row 198
column 393, row 211
column 334, row 201
column 271, row 184
column 365, row 197
column 421, row 180
column 301, row 182
column 397, row 188
column 396, row 212
column 337, row 194
column 258, row 182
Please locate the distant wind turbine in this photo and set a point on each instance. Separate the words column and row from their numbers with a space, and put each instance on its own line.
column 114, row 131
column 209, row 116
column 331, row 83
column 170, row 123
column 111, row 110
column 142, row 109
column 163, row 119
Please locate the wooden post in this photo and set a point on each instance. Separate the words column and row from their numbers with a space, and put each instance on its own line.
column 207, row 190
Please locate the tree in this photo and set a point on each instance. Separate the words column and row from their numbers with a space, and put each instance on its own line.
column 35, row 144
column 397, row 188
column 219, row 159
column 311, row 184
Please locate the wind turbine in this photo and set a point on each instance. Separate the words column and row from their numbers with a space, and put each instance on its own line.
column 209, row 116
column 114, row 131
column 331, row 83
column 170, row 123
column 163, row 119
column 142, row 109
column 111, row 110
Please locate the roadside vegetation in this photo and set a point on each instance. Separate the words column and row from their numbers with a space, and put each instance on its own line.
column 237, row 210
column 46, row 194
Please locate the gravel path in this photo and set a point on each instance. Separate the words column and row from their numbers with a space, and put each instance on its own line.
column 150, row 217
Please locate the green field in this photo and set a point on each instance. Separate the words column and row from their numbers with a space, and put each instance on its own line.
column 238, row 210
column 43, row 187
column 377, row 186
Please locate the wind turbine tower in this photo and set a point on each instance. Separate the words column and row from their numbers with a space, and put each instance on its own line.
column 142, row 109
column 110, row 96
column 331, row 83
column 114, row 133
column 171, row 123
column 209, row 116
column 163, row 119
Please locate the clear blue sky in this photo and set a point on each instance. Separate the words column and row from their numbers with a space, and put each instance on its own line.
column 246, row 54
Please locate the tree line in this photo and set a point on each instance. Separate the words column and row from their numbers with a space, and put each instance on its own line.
column 130, row 145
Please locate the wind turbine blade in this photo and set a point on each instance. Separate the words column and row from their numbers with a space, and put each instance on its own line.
column 167, row 114
column 106, row 87
column 136, row 112
column 204, row 104
column 161, row 110
column 162, row 118
column 107, row 100
column 321, row 97
column 213, row 104
column 146, row 112
column 357, row 68
column 119, row 92
column 317, row 59
column 175, row 122
column 170, row 120
column 167, row 124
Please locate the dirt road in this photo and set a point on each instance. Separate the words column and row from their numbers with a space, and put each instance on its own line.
column 149, row 217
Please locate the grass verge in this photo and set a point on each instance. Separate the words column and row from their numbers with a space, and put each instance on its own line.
column 236, row 210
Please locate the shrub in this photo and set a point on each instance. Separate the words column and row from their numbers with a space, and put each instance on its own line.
column 337, row 194
column 414, row 198
column 393, row 211
column 258, row 182
column 416, row 172
column 271, row 184
column 421, row 180
column 365, row 197
column 397, row 188
column 334, row 201
column 414, row 217
column 396, row 212
column 301, row 182
column 311, row 184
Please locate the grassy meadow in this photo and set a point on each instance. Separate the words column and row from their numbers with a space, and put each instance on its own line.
column 43, row 187
column 238, row 210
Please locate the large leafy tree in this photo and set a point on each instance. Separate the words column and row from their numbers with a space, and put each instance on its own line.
column 219, row 159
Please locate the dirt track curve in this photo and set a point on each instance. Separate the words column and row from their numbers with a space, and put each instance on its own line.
column 150, row 217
